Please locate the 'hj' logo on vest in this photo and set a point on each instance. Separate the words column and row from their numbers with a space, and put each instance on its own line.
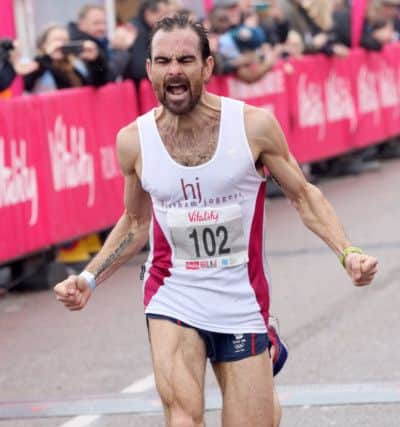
column 191, row 191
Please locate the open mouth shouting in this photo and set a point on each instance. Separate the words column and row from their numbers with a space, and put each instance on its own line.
column 177, row 91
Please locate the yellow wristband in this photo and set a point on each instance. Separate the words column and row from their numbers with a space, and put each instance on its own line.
column 349, row 250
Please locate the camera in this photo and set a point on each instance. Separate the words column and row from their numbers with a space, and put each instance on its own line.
column 6, row 46
column 72, row 48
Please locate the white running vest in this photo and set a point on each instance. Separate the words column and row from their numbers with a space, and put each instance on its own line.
column 206, row 260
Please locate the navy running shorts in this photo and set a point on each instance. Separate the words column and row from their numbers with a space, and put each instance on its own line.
column 225, row 347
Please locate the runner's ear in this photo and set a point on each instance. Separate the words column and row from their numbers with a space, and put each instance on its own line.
column 208, row 69
column 148, row 68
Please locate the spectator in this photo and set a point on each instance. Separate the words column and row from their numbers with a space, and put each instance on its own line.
column 56, row 68
column 294, row 45
column 227, row 46
column 91, row 25
column 313, row 21
column 233, row 11
column 242, row 48
column 342, row 24
column 379, row 25
column 390, row 10
column 134, row 65
column 218, row 21
column 340, row 5
column 273, row 22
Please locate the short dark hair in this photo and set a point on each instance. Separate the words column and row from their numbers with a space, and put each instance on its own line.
column 182, row 21
column 149, row 5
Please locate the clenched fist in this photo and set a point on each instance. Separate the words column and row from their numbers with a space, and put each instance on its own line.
column 361, row 268
column 74, row 292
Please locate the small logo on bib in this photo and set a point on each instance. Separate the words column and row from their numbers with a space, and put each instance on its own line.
column 201, row 216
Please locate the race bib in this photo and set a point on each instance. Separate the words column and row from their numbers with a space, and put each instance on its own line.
column 207, row 237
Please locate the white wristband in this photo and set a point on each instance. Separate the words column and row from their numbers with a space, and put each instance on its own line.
column 89, row 277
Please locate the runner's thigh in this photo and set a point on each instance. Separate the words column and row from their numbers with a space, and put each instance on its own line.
column 246, row 386
column 179, row 361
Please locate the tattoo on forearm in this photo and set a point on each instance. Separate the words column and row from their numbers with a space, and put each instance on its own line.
column 276, row 180
column 110, row 260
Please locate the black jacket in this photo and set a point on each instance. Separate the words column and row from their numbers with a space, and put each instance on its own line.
column 7, row 74
column 342, row 26
column 276, row 32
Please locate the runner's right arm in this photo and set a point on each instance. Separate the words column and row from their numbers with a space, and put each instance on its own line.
column 129, row 234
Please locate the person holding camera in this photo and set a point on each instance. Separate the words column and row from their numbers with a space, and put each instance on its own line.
column 63, row 64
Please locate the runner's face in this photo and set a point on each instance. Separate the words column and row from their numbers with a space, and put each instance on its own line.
column 176, row 69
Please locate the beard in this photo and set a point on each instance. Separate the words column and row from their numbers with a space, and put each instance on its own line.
column 183, row 101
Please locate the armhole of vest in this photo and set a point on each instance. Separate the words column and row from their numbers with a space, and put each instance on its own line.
column 141, row 121
column 241, row 108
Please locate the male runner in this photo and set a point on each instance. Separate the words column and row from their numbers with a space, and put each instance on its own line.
column 194, row 176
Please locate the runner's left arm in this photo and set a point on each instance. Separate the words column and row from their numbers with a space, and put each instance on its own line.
column 269, row 145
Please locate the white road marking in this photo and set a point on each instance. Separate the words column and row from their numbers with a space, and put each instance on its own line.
column 14, row 308
column 139, row 386
column 81, row 421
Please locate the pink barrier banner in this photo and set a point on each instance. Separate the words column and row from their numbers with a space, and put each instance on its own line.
column 340, row 104
column 387, row 70
column 314, row 105
column 59, row 176
column 376, row 88
column 7, row 28
column 370, row 126
column 24, row 178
